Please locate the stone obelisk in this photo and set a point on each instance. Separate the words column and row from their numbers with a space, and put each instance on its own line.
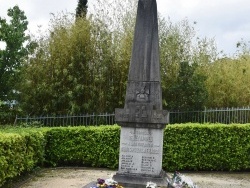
column 142, row 119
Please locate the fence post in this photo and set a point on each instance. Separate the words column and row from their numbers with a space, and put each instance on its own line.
column 205, row 115
column 15, row 120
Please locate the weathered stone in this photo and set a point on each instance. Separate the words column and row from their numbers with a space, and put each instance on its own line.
column 144, row 64
column 142, row 119
column 140, row 151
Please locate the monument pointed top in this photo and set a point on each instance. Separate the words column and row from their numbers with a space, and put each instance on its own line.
column 144, row 65
column 143, row 103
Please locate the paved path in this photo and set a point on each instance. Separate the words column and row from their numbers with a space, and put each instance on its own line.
column 78, row 177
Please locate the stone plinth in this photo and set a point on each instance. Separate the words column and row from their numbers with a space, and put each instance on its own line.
column 140, row 159
column 141, row 151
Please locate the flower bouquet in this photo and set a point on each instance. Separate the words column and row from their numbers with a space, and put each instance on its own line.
column 108, row 183
column 180, row 181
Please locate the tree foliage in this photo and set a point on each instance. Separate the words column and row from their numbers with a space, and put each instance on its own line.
column 188, row 92
column 73, row 71
column 11, row 58
column 18, row 47
column 228, row 82
column 179, row 43
column 82, row 65
column 81, row 9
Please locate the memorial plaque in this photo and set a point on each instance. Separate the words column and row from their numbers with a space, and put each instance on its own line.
column 140, row 151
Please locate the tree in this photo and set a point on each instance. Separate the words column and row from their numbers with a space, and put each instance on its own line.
column 18, row 47
column 11, row 58
column 82, row 8
column 228, row 82
column 82, row 66
column 179, row 43
column 68, row 73
column 189, row 91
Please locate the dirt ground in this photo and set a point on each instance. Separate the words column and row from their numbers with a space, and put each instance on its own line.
column 78, row 177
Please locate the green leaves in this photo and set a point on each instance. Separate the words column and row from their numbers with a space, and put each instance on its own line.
column 18, row 47
column 11, row 59
column 186, row 147
column 75, row 70
column 20, row 152
column 188, row 92
column 88, row 146
column 180, row 44
column 206, row 147
column 228, row 82
column 81, row 9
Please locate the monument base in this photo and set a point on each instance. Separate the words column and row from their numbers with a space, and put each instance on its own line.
column 140, row 180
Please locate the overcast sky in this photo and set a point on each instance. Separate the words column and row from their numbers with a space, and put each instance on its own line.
column 228, row 21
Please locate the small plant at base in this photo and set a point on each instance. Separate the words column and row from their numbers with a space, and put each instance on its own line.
column 108, row 183
column 180, row 181
column 151, row 185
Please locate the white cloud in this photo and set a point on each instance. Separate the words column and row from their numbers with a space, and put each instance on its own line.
column 226, row 20
column 38, row 11
column 2, row 45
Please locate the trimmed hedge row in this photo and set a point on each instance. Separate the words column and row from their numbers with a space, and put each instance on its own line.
column 186, row 147
column 85, row 146
column 207, row 147
column 19, row 153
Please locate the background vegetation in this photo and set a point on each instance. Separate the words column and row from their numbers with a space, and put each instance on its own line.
column 81, row 64
column 21, row 151
column 207, row 147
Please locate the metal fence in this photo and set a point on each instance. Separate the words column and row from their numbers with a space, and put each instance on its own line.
column 68, row 120
column 225, row 116
column 222, row 115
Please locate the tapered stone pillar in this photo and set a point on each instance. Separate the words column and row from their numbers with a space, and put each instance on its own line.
column 142, row 119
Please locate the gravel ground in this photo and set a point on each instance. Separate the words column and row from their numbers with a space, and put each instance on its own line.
column 78, row 177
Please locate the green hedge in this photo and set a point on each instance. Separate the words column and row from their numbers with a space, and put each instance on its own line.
column 19, row 153
column 207, row 147
column 186, row 147
column 88, row 146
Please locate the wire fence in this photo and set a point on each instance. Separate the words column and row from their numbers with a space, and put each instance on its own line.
column 222, row 115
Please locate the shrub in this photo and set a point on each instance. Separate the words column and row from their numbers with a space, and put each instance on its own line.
column 88, row 146
column 20, row 153
column 207, row 147
column 186, row 147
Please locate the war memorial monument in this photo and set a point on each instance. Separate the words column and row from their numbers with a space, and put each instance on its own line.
column 142, row 119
